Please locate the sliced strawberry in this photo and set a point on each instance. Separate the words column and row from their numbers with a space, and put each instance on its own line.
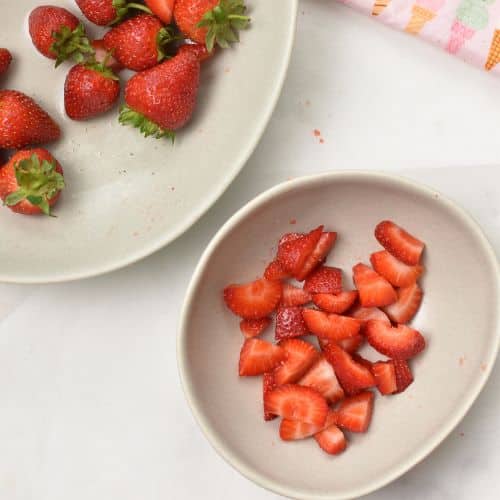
column 254, row 327
column 253, row 300
column 301, row 355
column 407, row 305
column 295, row 402
column 331, row 440
column 374, row 290
column 393, row 270
column 401, row 342
column 291, row 430
column 268, row 385
column 275, row 272
column 404, row 377
column 322, row 378
column 287, row 237
column 319, row 254
column 399, row 243
column 294, row 296
column 385, row 376
column 290, row 323
column 337, row 304
column 365, row 314
column 324, row 279
column 355, row 413
column 332, row 326
column 362, row 361
column 258, row 356
column 353, row 376
column 352, row 344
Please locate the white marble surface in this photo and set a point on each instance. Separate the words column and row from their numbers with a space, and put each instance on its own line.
column 90, row 402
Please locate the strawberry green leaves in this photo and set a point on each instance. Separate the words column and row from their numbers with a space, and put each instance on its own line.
column 71, row 44
column 147, row 127
column 123, row 7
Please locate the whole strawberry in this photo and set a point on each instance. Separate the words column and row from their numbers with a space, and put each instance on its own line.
column 162, row 99
column 162, row 9
column 24, row 122
column 138, row 43
column 90, row 89
column 58, row 34
column 5, row 60
column 105, row 12
column 211, row 21
column 31, row 182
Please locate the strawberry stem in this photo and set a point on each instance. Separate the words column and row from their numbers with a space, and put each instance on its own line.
column 123, row 7
column 147, row 127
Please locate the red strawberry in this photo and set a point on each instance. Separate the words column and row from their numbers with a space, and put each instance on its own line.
column 353, row 377
column 268, row 385
column 407, row 305
column 103, row 56
column 211, row 21
column 331, row 440
column 5, row 60
column 287, row 237
column 364, row 314
column 258, row 357
column 31, row 182
column 58, row 34
column 162, row 99
column 331, row 326
column 253, row 300
column 254, row 327
column 300, row 357
column 295, row 402
column 385, row 376
column 292, row 430
column 139, row 43
column 374, row 290
column 90, row 90
column 401, row 342
column 324, row 280
column 293, row 296
column 399, row 243
column 337, row 304
column 198, row 49
column 319, row 254
column 24, row 122
column 104, row 12
column 355, row 413
column 290, row 323
column 162, row 9
column 274, row 271
column 394, row 271
column 322, row 378
column 403, row 374
column 352, row 344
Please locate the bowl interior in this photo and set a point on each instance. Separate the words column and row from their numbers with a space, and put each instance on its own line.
column 458, row 317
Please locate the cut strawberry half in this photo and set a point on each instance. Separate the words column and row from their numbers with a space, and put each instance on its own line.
column 385, row 376
column 322, row 378
column 295, row 402
column 399, row 243
column 355, row 413
column 393, row 270
column 319, row 254
column 290, row 323
column 404, row 377
column 401, row 342
column 337, row 304
column 353, row 376
column 324, row 279
column 268, row 385
column 258, row 356
column 274, row 272
column 294, row 296
column 292, row 430
column 301, row 355
column 254, row 327
column 407, row 305
column 331, row 326
column 365, row 314
column 331, row 440
column 374, row 290
column 253, row 300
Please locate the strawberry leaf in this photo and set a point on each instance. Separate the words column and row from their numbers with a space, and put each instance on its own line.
column 147, row 127
column 71, row 44
column 123, row 7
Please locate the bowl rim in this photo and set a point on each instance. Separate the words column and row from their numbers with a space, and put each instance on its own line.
column 300, row 182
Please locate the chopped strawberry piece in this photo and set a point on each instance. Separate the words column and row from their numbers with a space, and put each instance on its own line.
column 352, row 344
column 290, row 323
column 374, row 290
column 399, row 243
column 287, row 237
column 275, row 272
column 385, row 376
column 325, row 279
column 365, row 314
column 353, row 376
column 332, row 326
column 258, row 356
column 401, row 342
column 404, row 377
column 407, row 305
column 322, row 378
column 393, row 270
column 355, row 413
column 291, row 430
column 295, row 402
column 268, row 385
column 319, row 254
column 301, row 355
column 331, row 440
column 294, row 296
column 362, row 361
column 253, row 300
column 254, row 327
column 337, row 304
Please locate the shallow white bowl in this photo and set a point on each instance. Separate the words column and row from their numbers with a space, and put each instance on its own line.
column 459, row 317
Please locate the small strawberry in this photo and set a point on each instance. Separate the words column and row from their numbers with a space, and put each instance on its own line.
column 301, row 355
column 290, row 323
column 331, row 440
column 163, row 9
column 336, row 304
column 274, row 271
column 324, row 279
column 31, row 182
column 374, row 290
column 258, row 357
column 58, row 34
column 105, row 12
column 393, row 270
column 103, row 56
column 212, row 22
column 90, row 90
column 322, row 378
column 399, row 243
column 162, row 99
column 268, row 385
column 24, row 122
column 5, row 60
column 319, row 254
column 364, row 314
column 254, row 327
column 407, row 305
column 331, row 326
column 355, row 413
column 198, row 49
column 403, row 374
column 292, row 430
column 294, row 296
column 385, row 376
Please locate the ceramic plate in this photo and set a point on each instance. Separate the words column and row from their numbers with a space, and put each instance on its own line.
column 459, row 318
column 127, row 196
